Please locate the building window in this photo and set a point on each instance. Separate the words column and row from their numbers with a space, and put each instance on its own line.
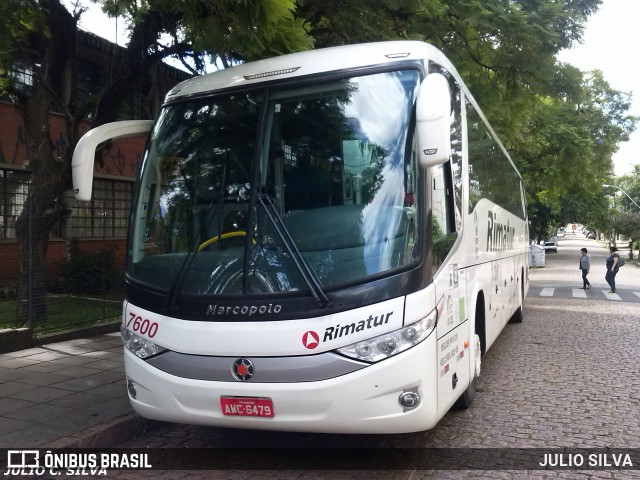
column 14, row 190
column 105, row 216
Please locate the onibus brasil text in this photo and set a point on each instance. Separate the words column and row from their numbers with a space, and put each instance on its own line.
column 31, row 463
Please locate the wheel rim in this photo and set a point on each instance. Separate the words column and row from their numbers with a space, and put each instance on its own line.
column 478, row 355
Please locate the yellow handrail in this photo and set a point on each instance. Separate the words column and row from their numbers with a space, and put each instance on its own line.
column 239, row 233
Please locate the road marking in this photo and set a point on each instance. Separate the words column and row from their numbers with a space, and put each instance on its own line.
column 578, row 293
column 610, row 296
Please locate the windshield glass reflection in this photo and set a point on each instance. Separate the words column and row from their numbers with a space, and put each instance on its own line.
column 335, row 169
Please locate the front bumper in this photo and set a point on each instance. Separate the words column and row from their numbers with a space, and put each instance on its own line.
column 364, row 401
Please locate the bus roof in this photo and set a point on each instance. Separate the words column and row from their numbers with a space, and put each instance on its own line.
column 308, row 63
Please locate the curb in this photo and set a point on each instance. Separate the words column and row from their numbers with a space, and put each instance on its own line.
column 108, row 434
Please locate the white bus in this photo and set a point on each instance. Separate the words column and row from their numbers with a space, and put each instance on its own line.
column 326, row 241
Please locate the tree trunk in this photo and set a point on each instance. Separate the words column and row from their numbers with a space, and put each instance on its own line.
column 33, row 241
column 54, row 79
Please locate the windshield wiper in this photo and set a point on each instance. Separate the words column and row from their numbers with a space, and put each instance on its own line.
column 305, row 270
column 171, row 301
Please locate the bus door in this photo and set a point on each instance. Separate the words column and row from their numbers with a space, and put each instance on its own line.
column 453, row 330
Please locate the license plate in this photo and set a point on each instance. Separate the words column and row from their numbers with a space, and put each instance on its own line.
column 247, row 406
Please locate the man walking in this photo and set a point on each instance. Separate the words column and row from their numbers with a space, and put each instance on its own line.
column 585, row 266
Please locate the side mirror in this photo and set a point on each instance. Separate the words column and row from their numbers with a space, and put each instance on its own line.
column 85, row 151
column 433, row 120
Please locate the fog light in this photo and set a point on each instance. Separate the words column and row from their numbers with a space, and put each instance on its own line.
column 131, row 388
column 409, row 400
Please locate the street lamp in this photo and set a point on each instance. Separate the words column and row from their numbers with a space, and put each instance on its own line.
column 615, row 186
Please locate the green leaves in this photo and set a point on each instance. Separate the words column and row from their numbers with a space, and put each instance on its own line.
column 20, row 21
column 560, row 125
column 228, row 30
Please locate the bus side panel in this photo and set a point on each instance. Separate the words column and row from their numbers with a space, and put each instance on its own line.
column 454, row 347
column 508, row 282
column 479, row 285
column 500, row 243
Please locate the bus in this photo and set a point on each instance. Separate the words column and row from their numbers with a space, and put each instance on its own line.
column 326, row 241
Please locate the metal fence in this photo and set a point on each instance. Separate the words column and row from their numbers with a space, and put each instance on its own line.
column 79, row 281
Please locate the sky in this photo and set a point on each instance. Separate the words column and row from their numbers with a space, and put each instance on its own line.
column 94, row 21
column 609, row 44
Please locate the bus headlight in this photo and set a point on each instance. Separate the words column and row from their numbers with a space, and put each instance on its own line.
column 138, row 345
column 391, row 343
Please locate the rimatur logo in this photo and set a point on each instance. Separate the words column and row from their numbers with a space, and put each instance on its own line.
column 310, row 339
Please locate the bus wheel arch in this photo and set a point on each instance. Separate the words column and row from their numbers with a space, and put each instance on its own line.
column 479, row 322
column 479, row 349
column 518, row 315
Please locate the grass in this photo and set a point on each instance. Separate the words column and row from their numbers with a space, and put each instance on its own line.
column 66, row 312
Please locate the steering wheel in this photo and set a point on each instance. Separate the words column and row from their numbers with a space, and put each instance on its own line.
column 237, row 233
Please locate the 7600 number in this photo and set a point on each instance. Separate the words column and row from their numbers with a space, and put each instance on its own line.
column 142, row 325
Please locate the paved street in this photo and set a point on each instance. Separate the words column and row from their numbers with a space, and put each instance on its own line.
column 566, row 377
column 561, row 270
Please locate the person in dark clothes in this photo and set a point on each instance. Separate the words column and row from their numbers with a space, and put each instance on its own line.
column 612, row 268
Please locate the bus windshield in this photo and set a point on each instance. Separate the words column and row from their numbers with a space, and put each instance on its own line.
column 335, row 165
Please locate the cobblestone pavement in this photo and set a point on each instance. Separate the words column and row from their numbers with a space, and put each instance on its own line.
column 566, row 377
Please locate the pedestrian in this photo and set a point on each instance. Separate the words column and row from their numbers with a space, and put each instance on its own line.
column 585, row 266
column 612, row 268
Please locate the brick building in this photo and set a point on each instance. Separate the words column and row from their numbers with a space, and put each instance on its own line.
column 104, row 219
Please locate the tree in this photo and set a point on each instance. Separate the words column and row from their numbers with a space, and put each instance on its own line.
column 630, row 184
column 555, row 121
column 628, row 224
column 223, row 31
column 41, row 35
column 505, row 51
column 565, row 149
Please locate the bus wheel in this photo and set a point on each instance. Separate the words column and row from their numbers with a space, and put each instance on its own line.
column 517, row 316
column 466, row 399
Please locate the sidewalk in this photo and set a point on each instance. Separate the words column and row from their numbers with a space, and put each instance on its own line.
column 66, row 394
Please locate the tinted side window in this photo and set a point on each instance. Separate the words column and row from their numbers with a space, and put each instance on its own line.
column 491, row 174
